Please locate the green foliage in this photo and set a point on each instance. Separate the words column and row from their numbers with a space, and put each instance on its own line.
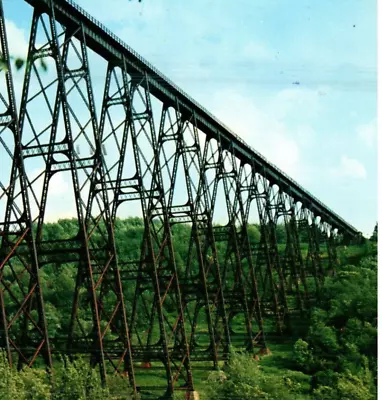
column 19, row 63
column 323, row 339
column 341, row 345
column 338, row 348
column 243, row 378
column 11, row 383
column 72, row 380
column 344, row 387
column 254, row 233
column 374, row 236
column 119, row 388
column 77, row 380
column 28, row 384
column 303, row 356
column 36, row 383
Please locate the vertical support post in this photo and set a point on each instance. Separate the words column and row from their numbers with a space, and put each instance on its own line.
column 239, row 298
column 240, row 217
column 269, row 252
column 17, row 234
column 293, row 251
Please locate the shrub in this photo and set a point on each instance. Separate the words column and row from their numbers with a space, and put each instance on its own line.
column 244, row 379
column 11, row 384
column 77, row 380
column 303, row 356
column 346, row 387
column 36, row 383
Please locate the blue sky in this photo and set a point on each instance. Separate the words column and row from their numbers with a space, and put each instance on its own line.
column 240, row 59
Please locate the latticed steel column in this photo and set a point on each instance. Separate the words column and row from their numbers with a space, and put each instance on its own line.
column 157, row 271
column 328, row 235
column 20, row 290
column 271, row 277
column 162, row 256
column 210, row 273
column 93, row 247
column 99, row 221
column 227, row 236
column 200, row 297
column 293, row 264
column 312, row 262
column 316, row 237
column 206, row 200
column 251, row 250
column 245, row 280
column 332, row 250
column 120, row 129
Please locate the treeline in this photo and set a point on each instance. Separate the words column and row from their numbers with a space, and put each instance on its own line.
column 132, row 229
column 58, row 277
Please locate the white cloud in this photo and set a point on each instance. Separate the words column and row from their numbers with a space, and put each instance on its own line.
column 367, row 133
column 17, row 42
column 57, row 185
column 349, row 167
column 255, row 51
column 60, row 202
column 18, row 48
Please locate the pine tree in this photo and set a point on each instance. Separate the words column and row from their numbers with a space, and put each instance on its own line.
column 374, row 236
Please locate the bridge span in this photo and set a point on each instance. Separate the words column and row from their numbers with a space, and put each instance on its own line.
column 152, row 151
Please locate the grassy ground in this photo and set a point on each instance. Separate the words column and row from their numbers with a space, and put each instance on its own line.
column 280, row 362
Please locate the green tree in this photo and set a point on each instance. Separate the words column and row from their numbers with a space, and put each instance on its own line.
column 243, row 378
column 374, row 236
column 11, row 384
column 341, row 346
column 253, row 234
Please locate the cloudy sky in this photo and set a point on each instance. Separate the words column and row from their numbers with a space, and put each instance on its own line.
column 242, row 59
